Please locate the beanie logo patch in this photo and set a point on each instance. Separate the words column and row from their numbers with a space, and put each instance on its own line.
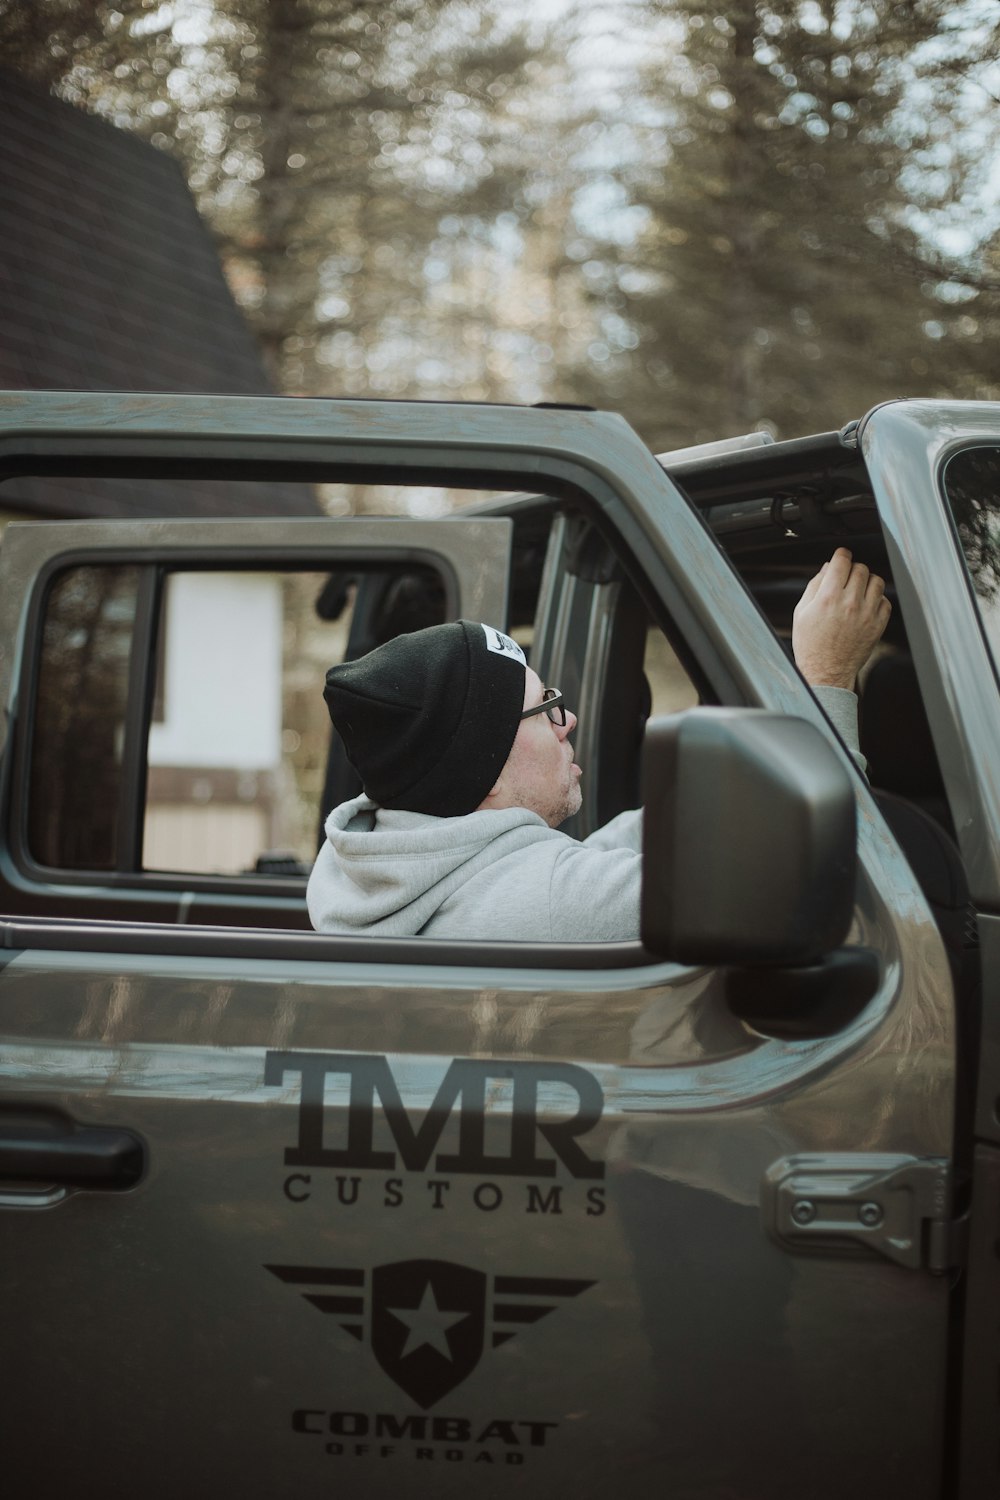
column 502, row 645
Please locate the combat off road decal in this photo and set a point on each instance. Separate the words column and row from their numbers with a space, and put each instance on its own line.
column 343, row 1140
column 427, row 1322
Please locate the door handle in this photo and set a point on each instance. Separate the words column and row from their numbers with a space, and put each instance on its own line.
column 49, row 1148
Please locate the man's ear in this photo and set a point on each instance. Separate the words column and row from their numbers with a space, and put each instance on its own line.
column 493, row 792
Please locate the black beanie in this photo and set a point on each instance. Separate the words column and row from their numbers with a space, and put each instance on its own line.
column 428, row 719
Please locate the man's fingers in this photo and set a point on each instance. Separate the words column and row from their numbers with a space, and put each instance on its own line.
column 846, row 587
column 854, row 579
column 838, row 569
column 857, row 583
column 838, row 621
column 812, row 587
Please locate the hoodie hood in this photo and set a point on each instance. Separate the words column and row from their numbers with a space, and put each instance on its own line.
column 386, row 872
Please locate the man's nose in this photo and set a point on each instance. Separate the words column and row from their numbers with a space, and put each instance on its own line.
column 562, row 730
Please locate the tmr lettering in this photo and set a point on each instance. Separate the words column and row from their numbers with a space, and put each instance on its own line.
column 463, row 1086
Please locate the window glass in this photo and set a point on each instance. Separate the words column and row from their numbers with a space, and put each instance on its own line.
column 671, row 689
column 79, row 719
column 972, row 488
column 227, row 737
column 241, row 764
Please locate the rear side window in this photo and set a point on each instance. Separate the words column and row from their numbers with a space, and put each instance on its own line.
column 179, row 724
column 238, row 736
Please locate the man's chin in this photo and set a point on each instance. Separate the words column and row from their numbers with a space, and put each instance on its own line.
column 570, row 807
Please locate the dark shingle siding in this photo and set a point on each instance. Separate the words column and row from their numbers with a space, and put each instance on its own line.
column 109, row 281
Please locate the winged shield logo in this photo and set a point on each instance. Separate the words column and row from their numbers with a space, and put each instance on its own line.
column 428, row 1320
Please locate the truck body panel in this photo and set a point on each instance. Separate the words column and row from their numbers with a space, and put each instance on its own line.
column 564, row 1216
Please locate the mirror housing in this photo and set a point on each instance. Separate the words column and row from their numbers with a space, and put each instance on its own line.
column 749, row 839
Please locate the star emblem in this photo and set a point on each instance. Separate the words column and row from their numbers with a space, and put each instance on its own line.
column 428, row 1321
column 427, row 1324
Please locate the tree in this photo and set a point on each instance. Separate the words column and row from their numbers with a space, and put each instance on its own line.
column 779, row 279
column 337, row 148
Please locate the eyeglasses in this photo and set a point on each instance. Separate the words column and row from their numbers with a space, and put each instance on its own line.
column 552, row 706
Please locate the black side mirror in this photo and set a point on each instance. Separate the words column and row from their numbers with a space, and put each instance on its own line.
column 749, row 839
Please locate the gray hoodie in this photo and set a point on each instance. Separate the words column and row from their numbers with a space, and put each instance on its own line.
column 501, row 875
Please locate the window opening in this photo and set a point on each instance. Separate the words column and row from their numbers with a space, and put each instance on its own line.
column 236, row 765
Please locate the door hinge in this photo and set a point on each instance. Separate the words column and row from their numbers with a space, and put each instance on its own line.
column 899, row 1206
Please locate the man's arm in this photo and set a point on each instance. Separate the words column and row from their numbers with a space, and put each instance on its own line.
column 836, row 625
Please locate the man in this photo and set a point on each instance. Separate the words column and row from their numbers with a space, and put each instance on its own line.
column 468, row 772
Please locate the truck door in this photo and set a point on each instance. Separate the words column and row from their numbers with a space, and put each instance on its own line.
column 299, row 1214
column 935, row 469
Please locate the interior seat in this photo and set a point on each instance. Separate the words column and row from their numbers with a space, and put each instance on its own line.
column 896, row 738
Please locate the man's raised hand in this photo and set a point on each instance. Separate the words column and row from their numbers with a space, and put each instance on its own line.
column 838, row 621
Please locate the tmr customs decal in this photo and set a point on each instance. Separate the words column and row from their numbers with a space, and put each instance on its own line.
column 428, row 1323
column 341, row 1136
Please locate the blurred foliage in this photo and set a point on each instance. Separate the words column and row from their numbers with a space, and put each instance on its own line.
column 777, row 277
column 709, row 221
column 358, row 163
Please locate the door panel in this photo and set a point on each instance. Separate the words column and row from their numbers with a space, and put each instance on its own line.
column 934, row 469
column 400, row 1221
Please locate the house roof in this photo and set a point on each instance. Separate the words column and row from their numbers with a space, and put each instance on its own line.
column 110, row 281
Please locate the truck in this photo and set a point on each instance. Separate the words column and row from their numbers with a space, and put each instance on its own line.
column 715, row 1212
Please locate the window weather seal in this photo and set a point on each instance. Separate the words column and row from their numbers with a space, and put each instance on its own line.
column 138, row 704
